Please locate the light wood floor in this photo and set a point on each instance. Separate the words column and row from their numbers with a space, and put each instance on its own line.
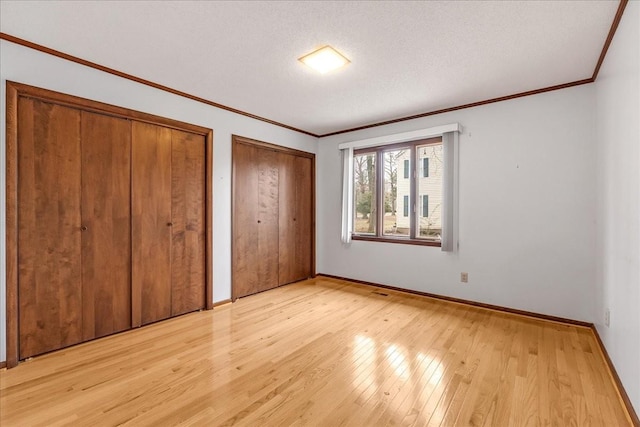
column 327, row 353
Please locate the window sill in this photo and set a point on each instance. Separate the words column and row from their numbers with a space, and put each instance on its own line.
column 400, row 240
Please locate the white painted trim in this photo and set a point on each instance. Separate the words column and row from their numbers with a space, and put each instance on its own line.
column 347, row 194
column 402, row 137
column 449, row 147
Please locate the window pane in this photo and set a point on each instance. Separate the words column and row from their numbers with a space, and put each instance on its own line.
column 430, row 188
column 396, row 221
column 425, row 205
column 364, row 189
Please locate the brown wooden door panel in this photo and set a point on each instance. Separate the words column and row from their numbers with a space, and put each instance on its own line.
column 256, row 221
column 245, row 255
column 188, row 228
column 49, row 242
column 288, row 271
column 268, row 221
column 303, row 220
column 272, row 216
column 89, row 219
column 106, row 218
column 151, row 218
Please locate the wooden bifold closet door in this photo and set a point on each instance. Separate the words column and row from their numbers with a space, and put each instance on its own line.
column 49, row 240
column 168, row 222
column 272, row 216
column 74, row 236
column 108, row 224
column 295, row 218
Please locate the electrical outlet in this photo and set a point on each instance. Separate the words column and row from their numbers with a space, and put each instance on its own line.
column 607, row 317
column 464, row 277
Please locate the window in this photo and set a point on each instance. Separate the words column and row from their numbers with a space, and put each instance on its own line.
column 379, row 188
column 429, row 225
column 424, row 201
column 425, row 167
column 364, row 175
column 400, row 210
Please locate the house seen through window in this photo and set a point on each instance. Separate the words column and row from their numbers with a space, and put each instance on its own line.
column 398, row 192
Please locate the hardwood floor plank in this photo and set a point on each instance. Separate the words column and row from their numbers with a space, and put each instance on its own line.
column 420, row 366
column 323, row 352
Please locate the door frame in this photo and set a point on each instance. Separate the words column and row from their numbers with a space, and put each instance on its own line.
column 17, row 90
column 235, row 141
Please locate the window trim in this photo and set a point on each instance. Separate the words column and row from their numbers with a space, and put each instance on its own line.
column 401, row 240
column 413, row 196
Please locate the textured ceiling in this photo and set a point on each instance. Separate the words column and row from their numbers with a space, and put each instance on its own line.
column 406, row 57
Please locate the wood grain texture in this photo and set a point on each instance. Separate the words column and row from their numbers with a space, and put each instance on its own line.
column 616, row 379
column 270, row 146
column 287, row 268
column 49, row 241
column 313, row 215
column 188, row 219
column 467, row 302
column 103, row 108
column 106, row 215
column 401, row 241
column 209, row 219
column 107, row 184
column 11, row 153
column 223, row 302
column 273, row 187
column 150, row 223
column 324, row 352
column 244, row 241
column 296, row 193
column 303, row 220
column 268, row 221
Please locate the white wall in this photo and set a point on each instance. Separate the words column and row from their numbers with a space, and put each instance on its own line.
column 28, row 66
column 618, row 256
column 527, row 209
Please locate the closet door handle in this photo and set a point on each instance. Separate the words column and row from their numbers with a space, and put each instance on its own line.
column 258, row 221
column 169, row 224
column 83, row 228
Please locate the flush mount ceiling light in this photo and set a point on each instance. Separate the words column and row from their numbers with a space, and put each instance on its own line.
column 324, row 60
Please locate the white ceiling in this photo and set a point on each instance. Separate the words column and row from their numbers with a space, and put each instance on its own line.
column 407, row 57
